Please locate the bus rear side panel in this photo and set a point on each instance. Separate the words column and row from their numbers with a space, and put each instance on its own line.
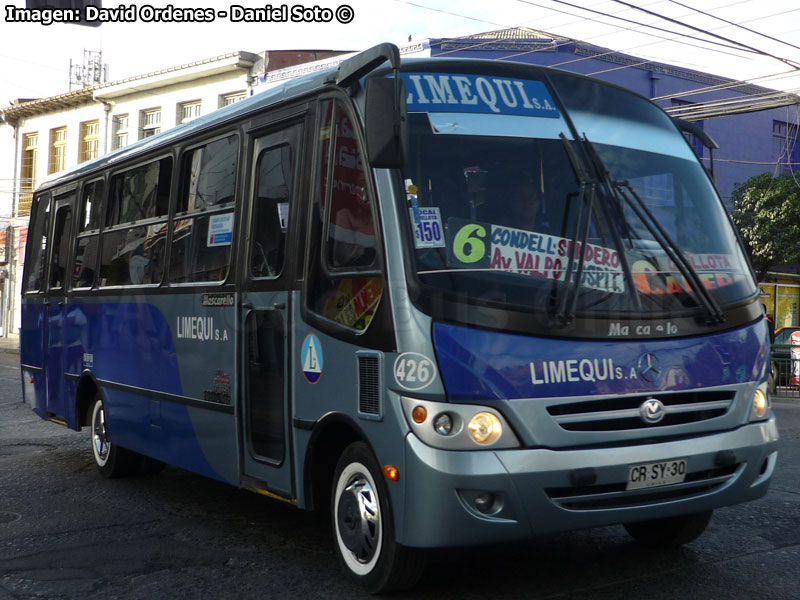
column 163, row 367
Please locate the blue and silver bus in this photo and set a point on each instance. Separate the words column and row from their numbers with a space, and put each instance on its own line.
column 451, row 302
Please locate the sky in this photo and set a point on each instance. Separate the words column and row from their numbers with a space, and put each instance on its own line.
column 35, row 58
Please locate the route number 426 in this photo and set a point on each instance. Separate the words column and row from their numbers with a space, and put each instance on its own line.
column 414, row 371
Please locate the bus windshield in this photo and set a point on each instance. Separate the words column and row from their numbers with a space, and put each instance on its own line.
column 513, row 210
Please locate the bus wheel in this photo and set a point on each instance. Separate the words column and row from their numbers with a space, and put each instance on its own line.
column 670, row 532
column 363, row 526
column 111, row 460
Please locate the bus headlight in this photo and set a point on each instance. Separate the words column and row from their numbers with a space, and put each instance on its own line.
column 485, row 428
column 443, row 424
column 452, row 426
column 760, row 405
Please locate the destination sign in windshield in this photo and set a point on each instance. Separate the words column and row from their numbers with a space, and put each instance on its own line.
column 466, row 93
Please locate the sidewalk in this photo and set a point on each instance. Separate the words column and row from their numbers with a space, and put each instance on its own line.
column 10, row 344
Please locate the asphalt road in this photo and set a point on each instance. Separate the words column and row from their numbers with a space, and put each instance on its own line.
column 66, row 533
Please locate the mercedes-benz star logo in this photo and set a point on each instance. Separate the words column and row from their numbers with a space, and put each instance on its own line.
column 649, row 367
column 652, row 411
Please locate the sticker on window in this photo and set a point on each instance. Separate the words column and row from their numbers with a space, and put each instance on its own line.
column 657, row 277
column 427, row 224
column 220, row 230
column 283, row 215
column 484, row 246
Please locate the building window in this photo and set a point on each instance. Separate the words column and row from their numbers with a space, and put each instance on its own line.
column 785, row 150
column 228, row 99
column 188, row 111
column 30, row 143
column 150, row 123
column 120, row 128
column 58, row 150
column 90, row 141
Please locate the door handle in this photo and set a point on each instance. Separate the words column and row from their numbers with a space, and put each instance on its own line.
column 279, row 305
column 247, row 305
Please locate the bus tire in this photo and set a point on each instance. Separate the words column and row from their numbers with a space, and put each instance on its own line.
column 363, row 526
column 669, row 532
column 112, row 461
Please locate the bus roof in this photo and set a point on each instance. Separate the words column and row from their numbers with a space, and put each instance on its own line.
column 287, row 89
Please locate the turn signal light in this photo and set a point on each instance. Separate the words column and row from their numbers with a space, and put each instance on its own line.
column 419, row 414
column 391, row 473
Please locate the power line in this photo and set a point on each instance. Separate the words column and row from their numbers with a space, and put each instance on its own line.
column 725, row 86
column 704, row 32
column 740, row 26
column 745, row 105
column 728, row 43
column 737, row 45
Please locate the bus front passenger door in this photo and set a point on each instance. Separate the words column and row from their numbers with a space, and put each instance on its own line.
column 266, row 304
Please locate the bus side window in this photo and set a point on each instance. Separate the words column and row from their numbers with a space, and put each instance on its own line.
column 37, row 244
column 134, row 255
column 201, row 241
column 270, row 220
column 345, row 219
column 62, row 236
column 88, row 236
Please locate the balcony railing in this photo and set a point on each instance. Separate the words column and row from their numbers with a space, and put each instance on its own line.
column 24, row 205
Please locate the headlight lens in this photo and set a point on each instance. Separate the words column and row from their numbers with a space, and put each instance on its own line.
column 760, row 403
column 485, row 428
column 443, row 424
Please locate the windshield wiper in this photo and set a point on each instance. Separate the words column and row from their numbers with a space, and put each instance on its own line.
column 624, row 190
column 568, row 298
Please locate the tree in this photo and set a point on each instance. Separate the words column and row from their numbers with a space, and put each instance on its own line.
column 766, row 210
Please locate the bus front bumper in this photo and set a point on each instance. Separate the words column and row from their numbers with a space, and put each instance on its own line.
column 475, row 497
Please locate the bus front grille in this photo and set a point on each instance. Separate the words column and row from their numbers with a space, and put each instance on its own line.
column 620, row 414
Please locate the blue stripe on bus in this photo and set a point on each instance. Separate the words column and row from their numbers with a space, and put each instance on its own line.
column 132, row 344
column 478, row 365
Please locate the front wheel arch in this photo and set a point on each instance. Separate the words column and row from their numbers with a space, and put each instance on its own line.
column 363, row 525
column 85, row 394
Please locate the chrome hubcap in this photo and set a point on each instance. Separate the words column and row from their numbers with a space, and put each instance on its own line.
column 101, row 445
column 358, row 518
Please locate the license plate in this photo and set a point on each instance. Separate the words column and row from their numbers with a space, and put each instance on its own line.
column 656, row 474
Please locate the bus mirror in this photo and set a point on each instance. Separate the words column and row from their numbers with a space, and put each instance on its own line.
column 385, row 122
